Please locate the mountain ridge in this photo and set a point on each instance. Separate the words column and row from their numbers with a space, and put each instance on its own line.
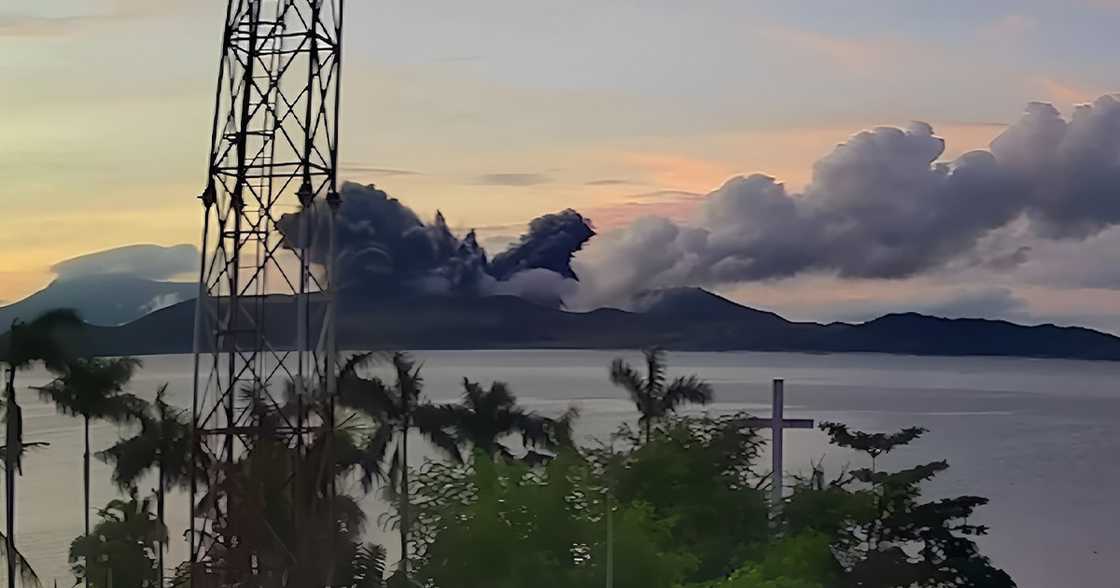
column 686, row 319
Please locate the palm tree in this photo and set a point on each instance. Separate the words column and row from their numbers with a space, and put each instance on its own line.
column 26, row 572
column 484, row 417
column 27, row 344
column 163, row 444
column 396, row 409
column 93, row 389
column 654, row 399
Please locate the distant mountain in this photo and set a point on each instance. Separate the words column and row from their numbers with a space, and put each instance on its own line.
column 698, row 304
column 681, row 319
column 112, row 299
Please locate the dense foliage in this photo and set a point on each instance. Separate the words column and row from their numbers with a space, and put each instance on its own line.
column 121, row 550
column 687, row 509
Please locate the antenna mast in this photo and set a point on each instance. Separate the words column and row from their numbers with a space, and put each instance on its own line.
column 264, row 325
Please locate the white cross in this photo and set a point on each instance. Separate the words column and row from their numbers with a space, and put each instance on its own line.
column 777, row 423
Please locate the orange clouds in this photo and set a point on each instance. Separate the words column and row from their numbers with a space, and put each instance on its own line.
column 1065, row 94
column 862, row 56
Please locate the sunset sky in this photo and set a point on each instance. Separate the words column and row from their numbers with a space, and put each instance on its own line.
column 497, row 111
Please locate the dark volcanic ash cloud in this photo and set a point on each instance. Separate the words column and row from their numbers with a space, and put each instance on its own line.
column 552, row 241
column 882, row 205
column 385, row 249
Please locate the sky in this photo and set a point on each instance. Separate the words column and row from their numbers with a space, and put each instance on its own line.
column 495, row 112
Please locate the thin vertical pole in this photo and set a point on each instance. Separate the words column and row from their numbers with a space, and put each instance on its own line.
column 610, row 543
column 776, row 429
column 85, row 494
column 14, row 443
column 196, row 448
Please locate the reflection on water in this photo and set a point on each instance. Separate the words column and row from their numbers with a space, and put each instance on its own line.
column 1038, row 437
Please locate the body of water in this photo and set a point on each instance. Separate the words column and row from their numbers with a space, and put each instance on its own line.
column 1038, row 437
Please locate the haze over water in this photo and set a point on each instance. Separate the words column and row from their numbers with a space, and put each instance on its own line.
column 1037, row 437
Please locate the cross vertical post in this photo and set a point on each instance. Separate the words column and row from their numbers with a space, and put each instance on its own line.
column 777, row 417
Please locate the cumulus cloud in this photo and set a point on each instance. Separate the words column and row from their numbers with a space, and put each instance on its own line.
column 152, row 262
column 882, row 206
column 512, row 179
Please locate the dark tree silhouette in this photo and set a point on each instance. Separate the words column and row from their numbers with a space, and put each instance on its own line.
column 27, row 345
column 93, row 389
column 882, row 534
column 486, row 416
column 654, row 397
column 122, row 551
column 163, row 444
column 294, row 527
column 395, row 409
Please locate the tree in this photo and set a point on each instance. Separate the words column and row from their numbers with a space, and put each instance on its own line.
column 799, row 561
column 485, row 416
column 499, row 524
column 699, row 476
column 881, row 533
column 27, row 344
column 121, row 551
column 93, row 389
column 654, row 399
column 395, row 410
column 163, row 444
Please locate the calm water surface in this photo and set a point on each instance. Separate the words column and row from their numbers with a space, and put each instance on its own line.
column 1038, row 437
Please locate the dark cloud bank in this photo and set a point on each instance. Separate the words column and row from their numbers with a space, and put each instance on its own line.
column 881, row 206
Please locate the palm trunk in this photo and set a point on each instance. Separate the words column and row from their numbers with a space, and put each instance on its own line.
column 10, row 475
column 159, row 513
column 85, row 494
column 10, row 512
column 405, row 522
column 649, row 430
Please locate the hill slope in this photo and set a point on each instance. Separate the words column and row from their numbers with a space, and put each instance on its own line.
column 111, row 299
column 678, row 319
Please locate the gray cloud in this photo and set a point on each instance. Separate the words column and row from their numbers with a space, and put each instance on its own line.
column 25, row 25
column 1091, row 263
column 36, row 25
column 512, row 179
column 665, row 194
column 608, row 182
column 152, row 262
column 883, row 206
column 385, row 171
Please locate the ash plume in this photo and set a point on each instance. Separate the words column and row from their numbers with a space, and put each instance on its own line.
column 882, row 206
column 384, row 249
column 550, row 244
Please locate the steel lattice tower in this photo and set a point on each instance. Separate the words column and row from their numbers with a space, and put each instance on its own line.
column 265, row 314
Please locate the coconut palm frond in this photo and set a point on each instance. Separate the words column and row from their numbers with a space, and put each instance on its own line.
column 27, row 574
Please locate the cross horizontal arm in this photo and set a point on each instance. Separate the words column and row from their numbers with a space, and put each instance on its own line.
column 764, row 423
